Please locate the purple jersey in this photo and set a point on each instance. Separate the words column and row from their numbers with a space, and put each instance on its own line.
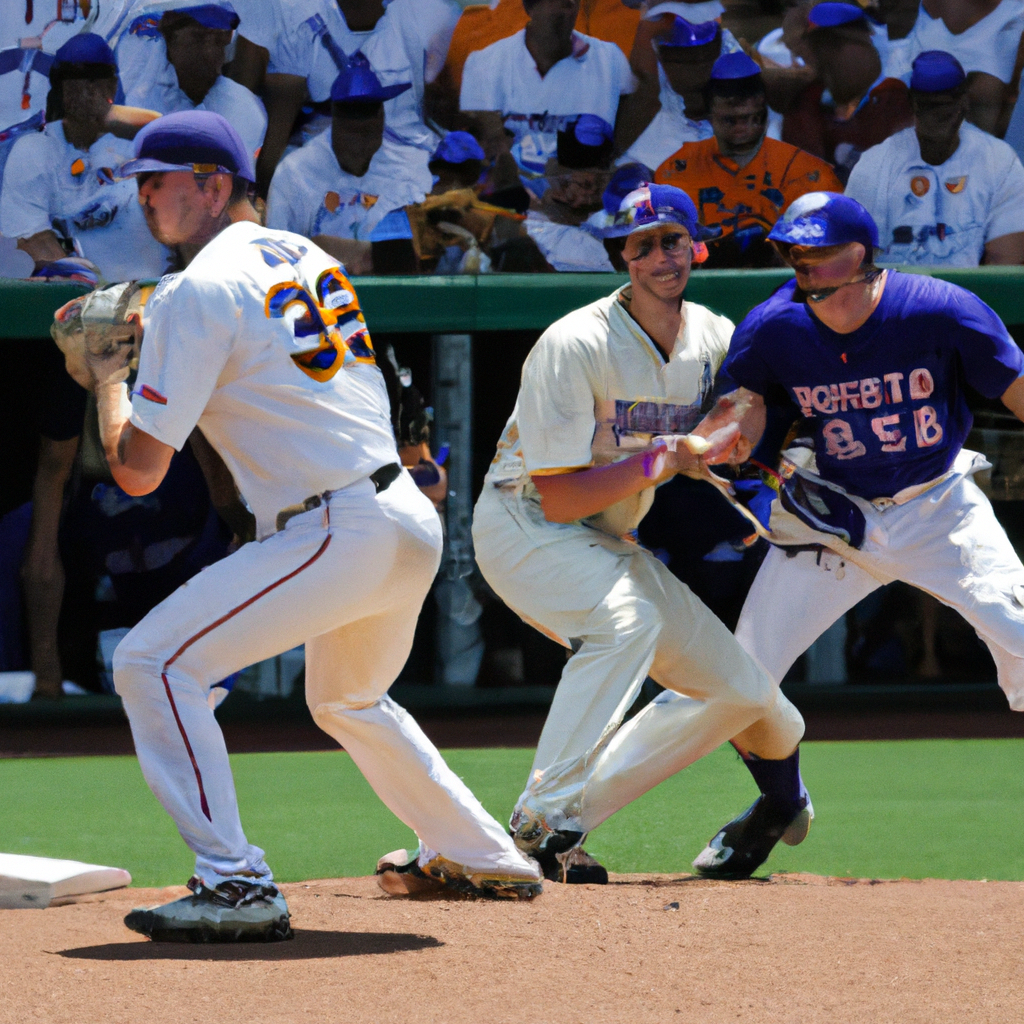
column 887, row 400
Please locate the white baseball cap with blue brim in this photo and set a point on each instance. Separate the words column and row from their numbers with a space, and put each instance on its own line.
column 199, row 141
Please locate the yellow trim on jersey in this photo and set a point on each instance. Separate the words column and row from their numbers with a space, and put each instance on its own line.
column 559, row 472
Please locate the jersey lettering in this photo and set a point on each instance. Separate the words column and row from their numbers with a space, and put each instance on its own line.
column 840, row 442
column 895, row 394
column 921, row 384
column 892, row 440
column 927, row 427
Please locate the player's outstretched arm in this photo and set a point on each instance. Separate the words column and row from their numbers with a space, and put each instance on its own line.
column 1013, row 398
column 567, row 497
column 741, row 408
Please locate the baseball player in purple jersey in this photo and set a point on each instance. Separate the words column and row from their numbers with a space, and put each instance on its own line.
column 874, row 363
column 260, row 343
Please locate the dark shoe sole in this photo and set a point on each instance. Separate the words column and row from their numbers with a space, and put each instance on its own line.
column 147, row 922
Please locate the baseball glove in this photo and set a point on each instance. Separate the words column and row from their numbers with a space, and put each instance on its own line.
column 100, row 333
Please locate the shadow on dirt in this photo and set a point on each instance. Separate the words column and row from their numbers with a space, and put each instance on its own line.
column 307, row 945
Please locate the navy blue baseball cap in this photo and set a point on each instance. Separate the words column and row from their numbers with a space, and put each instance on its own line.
column 826, row 218
column 651, row 205
column 84, row 48
column 357, row 83
column 457, row 148
column 199, row 141
column 627, row 178
column 685, row 33
column 732, row 66
column 936, row 71
column 220, row 15
column 834, row 15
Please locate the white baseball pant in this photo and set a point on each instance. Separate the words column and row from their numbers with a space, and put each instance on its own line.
column 628, row 617
column 946, row 541
column 348, row 579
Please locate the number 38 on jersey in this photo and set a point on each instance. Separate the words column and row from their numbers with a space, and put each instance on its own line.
column 327, row 324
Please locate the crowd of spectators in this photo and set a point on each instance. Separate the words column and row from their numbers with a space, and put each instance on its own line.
column 349, row 104
column 447, row 137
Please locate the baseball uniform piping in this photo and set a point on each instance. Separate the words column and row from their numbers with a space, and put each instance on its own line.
column 198, row 636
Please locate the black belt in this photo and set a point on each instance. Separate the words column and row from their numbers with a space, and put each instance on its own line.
column 381, row 478
column 384, row 477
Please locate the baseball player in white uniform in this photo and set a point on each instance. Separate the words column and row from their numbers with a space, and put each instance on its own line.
column 942, row 192
column 261, row 343
column 886, row 493
column 574, row 474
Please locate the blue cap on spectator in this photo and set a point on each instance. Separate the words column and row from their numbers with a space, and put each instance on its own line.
column 357, row 83
column 220, row 15
column 734, row 65
column 936, row 71
column 651, row 205
column 591, row 130
column 834, row 15
column 826, row 218
column 200, row 141
column 457, row 148
column 84, row 48
column 626, row 179
column 684, row 33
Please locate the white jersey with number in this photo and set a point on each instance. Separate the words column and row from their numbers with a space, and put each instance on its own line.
column 312, row 195
column 940, row 215
column 261, row 343
column 49, row 185
column 596, row 389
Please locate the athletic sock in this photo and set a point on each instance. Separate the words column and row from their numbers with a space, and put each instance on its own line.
column 779, row 780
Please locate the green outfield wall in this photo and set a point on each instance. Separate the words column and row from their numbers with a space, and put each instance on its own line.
column 501, row 302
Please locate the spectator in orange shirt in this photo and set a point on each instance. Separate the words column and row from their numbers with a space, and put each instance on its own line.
column 740, row 179
column 865, row 107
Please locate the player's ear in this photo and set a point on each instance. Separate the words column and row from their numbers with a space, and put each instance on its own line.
column 219, row 186
column 700, row 252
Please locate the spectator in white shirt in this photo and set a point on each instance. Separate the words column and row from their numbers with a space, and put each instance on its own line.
column 943, row 192
column 543, row 74
column 339, row 186
column 172, row 60
column 984, row 35
column 59, row 196
column 674, row 110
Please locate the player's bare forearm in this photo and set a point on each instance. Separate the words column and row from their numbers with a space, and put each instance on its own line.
column 566, row 497
column 43, row 247
column 1013, row 398
column 137, row 460
column 741, row 408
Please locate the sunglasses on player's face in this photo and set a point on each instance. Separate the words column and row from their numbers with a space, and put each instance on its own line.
column 674, row 243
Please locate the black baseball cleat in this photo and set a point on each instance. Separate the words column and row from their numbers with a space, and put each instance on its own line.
column 236, row 910
column 559, row 853
column 743, row 845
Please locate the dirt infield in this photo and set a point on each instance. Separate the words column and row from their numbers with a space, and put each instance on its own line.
column 795, row 948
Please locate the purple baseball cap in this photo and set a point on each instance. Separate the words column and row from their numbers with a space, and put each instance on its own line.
column 199, row 141
column 936, row 71
column 220, row 15
column 84, row 48
column 833, row 15
column 357, row 83
column 651, row 205
column 734, row 65
column 685, row 33
column 457, row 148
column 826, row 218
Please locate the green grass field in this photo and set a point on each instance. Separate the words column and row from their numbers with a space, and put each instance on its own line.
column 915, row 809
